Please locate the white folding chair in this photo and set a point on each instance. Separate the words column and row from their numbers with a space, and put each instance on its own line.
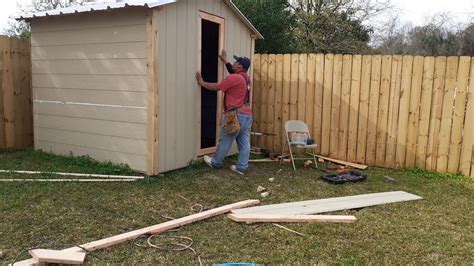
column 298, row 127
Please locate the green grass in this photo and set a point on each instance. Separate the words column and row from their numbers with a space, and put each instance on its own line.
column 437, row 229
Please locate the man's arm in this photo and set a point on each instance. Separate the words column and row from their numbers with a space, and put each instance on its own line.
column 207, row 85
column 223, row 57
column 229, row 68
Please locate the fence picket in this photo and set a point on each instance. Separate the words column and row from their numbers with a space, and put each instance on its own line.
column 335, row 106
column 425, row 104
column 278, row 103
column 459, row 113
column 382, row 119
column 373, row 109
column 345, row 105
column 447, row 114
column 354, row 108
column 467, row 157
column 414, row 111
column 327, row 97
column 436, row 109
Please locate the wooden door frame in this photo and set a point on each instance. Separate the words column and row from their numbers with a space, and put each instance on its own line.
column 202, row 15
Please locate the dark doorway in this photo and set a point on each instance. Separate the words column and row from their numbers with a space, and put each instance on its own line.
column 209, row 70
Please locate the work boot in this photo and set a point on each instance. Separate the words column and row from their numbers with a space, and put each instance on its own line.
column 234, row 168
column 208, row 160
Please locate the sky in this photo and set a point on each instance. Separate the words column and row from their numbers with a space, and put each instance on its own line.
column 414, row 11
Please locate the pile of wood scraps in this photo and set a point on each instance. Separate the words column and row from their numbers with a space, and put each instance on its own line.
column 343, row 163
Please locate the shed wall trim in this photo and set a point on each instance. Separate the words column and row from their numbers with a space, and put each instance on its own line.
column 153, row 92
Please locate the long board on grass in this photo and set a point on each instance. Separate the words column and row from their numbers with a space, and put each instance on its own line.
column 330, row 204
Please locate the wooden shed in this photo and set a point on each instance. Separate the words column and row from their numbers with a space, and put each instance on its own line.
column 116, row 81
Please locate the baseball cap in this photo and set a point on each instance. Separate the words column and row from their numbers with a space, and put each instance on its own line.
column 244, row 61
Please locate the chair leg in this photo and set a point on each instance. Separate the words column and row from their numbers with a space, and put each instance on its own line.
column 291, row 155
column 314, row 157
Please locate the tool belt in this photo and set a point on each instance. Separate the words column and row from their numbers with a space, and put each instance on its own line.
column 231, row 124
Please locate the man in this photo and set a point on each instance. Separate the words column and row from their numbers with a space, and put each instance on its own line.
column 237, row 90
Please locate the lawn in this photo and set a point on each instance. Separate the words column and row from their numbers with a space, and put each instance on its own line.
column 438, row 229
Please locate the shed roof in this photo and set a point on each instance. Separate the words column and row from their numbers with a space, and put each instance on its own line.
column 124, row 4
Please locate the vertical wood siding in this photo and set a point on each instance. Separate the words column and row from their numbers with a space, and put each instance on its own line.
column 178, row 43
column 389, row 111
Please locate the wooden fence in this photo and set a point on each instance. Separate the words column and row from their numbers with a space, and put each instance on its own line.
column 16, row 119
column 390, row 111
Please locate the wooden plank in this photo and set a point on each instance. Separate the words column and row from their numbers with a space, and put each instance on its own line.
column 8, row 99
column 278, row 128
column 159, row 228
column 110, row 113
column 335, row 105
column 27, row 92
column 354, row 165
column 447, row 114
column 92, row 67
column 302, row 85
column 18, row 107
column 459, row 114
column 354, row 108
column 154, row 229
column 256, row 96
column 131, row 33
column 327, row 99
column 425, row 110
column 373, row 109
column 92, row 126
column 118, row 17
column 363, row 108
column 271, row 101
column 91, row 82
column 286, row 93
column 152, row 46
column 467, row 158
column 414, row 111
column 131, row 50
column 345, row 107
column 330, row 204
column 4, row 44
column 126, row 98
column 136, row 162
column 264, row 99
column 118, row 144
column 436, row 111
column 318, row 100
column 294, row 86
column 393, row 110
column 57, row 256
column 65, row 180
column 310, row 89
column 72, row 174
column 405, row 91
column 382, row 119
column 270, row 218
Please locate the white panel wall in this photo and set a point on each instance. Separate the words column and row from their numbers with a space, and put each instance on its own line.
column 89, row 85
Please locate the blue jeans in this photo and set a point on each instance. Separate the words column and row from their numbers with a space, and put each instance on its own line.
column 243, row 143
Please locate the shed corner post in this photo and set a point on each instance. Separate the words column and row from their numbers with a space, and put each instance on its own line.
column 152, row 53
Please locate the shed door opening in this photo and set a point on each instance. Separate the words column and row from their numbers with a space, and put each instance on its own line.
column 210, row 73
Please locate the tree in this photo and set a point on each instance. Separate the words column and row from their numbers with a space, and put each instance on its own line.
column 440, row 36
column 274, row 20
column 335, row 26
column 22, row 29
column 466, row 39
